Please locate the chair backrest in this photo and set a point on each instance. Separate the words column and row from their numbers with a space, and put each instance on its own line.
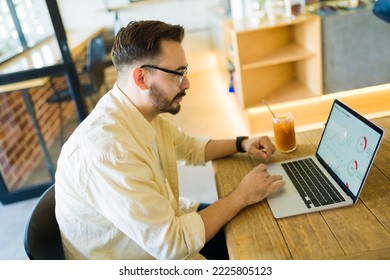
column 42, row 238
column 95, row 66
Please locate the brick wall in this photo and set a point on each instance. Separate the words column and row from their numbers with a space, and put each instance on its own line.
column 20, row 151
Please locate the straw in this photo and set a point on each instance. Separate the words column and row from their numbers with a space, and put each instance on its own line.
column 266, row 104
column 284, row 125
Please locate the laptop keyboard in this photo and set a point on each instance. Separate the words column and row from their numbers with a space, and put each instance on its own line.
column 314, row 188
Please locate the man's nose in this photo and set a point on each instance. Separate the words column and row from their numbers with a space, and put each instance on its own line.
column 185, row 84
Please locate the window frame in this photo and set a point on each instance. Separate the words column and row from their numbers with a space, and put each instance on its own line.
column 67, row 68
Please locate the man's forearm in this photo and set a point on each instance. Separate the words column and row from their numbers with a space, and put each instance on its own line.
column 220, row 148
column 219, row 213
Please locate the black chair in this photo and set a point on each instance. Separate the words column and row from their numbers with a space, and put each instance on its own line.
column 92, row 78
column 95, row 67
column 42, row 238
column 108, row 39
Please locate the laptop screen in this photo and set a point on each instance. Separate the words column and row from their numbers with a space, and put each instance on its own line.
column 348, row 146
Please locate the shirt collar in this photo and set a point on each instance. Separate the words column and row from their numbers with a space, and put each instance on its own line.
column 135, row 118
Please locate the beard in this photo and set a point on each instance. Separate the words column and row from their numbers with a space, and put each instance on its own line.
column 162, row 104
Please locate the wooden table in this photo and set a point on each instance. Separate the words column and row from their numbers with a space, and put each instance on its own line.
column 361, row 231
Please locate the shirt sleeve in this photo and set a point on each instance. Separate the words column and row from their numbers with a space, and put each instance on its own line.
column 125, row 193
column 188, row 148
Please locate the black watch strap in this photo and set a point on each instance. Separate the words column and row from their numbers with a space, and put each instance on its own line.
column 239, row 143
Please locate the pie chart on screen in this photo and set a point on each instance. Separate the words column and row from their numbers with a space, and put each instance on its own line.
column 353, row 167
column 361, row 145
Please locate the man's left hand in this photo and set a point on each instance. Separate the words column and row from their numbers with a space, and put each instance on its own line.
column 261, row 147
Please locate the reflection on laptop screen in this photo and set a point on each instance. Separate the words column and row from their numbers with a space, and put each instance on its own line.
column 348, row 146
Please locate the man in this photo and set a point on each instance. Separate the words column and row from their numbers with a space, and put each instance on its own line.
column 116, row 182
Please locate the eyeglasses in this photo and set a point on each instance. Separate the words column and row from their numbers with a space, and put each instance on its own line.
column 181, row 74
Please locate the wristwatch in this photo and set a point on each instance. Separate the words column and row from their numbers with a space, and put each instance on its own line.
column 239, row 140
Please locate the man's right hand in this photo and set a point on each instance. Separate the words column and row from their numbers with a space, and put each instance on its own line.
column 257, row 185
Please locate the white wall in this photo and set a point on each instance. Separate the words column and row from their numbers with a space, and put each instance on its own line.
column 85, row 14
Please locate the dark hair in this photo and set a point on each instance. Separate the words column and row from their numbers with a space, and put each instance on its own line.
column 139, row 41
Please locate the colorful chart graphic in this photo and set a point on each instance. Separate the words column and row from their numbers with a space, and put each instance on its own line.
column 353, row 167
column 361, row 144
column 348, row 146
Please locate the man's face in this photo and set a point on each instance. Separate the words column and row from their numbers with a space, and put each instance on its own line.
column 166, row 91
column 162, row 103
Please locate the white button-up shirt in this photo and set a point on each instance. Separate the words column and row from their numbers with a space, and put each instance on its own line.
column 117, row 199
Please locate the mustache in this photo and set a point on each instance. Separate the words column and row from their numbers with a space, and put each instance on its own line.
column 180, row 94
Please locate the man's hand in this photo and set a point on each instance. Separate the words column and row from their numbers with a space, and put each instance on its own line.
column 261, row 147
column 257, row 185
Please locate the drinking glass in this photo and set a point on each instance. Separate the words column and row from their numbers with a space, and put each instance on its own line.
column 284, row 132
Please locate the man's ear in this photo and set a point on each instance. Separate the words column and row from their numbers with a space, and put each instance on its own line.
column 139, row 78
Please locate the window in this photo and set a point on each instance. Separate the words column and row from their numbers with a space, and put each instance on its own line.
column 23, row 24
column 10, row 43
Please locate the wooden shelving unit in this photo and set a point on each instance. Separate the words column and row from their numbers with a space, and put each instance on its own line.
column 282, row 62
column 279, row 61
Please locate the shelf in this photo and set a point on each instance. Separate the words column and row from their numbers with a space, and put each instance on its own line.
column 248, row 25
column 282, row 92
column 268, row 81
column 282, row 63
column 291, row 91
column 132, row 5
column 289, row 53
column 272, row 59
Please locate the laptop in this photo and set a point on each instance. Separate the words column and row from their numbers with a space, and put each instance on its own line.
column 335, row 175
